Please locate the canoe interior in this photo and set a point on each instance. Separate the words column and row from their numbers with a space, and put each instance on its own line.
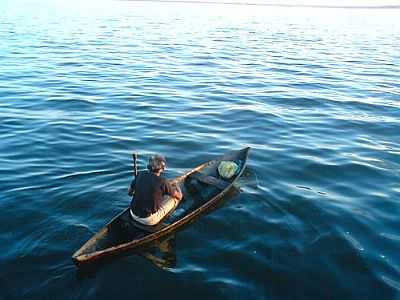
column 196, row 195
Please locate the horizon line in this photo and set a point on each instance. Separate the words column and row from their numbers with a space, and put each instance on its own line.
column 393, row 6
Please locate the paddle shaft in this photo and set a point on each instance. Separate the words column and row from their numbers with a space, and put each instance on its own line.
column 135, row 170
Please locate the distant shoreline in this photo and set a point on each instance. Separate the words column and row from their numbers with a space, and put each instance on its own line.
column 273, row 4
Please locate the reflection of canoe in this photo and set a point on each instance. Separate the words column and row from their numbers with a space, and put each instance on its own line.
column 202, row 188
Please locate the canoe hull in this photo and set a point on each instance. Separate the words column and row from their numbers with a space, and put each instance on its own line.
column 92, row 251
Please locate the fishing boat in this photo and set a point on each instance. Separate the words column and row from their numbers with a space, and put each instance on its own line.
column 203, row 189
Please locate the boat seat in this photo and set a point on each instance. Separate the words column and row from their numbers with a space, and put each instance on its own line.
column 211, row 180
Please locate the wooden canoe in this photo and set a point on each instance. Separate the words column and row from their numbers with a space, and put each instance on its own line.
column 202, row 189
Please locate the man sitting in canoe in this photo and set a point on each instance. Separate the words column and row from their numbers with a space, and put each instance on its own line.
column 154, row 196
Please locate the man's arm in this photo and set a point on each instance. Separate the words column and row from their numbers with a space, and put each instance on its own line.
column 176, row 192
column 172, row 189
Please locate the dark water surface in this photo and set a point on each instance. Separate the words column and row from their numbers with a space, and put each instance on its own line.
column 314, row 92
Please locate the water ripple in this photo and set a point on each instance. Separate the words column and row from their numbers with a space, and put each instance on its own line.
column 82, row 86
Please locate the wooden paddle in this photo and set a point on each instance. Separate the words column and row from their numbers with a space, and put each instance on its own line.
column 135, row 172
column 135, row 169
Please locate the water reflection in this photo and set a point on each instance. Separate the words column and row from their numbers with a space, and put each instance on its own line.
column 162, row 253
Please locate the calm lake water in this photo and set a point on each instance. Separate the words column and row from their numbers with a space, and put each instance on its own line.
column 314, row 92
